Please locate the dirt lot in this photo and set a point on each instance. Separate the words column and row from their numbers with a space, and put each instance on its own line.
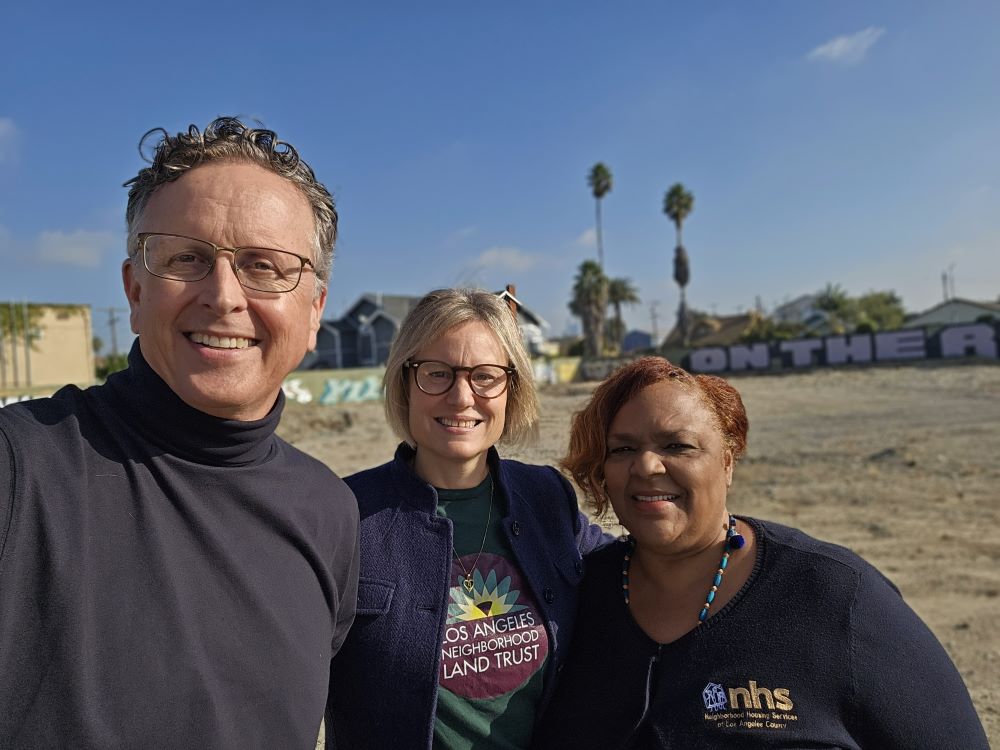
column 899, row 464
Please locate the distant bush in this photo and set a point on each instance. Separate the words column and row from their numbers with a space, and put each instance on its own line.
column 111, row 363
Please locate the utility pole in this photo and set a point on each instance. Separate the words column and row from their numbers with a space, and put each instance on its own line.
column 653, row 317
column 113, row 325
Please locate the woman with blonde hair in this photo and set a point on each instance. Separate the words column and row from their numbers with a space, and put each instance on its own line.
column 469, row 563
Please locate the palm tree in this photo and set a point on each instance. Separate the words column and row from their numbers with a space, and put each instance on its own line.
column 620, row 292
column 678, row 204
column 599, row 180
column 590, row 300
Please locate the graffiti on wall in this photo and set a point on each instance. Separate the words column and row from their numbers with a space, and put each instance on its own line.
column 914, row 344
column 599, row 369
column 334, row 390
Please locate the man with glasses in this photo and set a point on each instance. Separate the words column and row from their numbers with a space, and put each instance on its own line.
column 173, row 574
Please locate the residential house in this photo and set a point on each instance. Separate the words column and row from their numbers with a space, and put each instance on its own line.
column 803, row 311
column 362, row 335
column 953, row 311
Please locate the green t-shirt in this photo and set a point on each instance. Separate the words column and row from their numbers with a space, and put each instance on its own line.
column 495, row 643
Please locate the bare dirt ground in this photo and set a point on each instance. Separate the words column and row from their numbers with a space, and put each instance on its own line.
column 899, row 464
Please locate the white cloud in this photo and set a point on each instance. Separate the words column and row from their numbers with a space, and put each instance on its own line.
column 495, row 259
column 588, row 238
column 9, row 138
column 80, row 248
column 849, row 49
column 505, row 259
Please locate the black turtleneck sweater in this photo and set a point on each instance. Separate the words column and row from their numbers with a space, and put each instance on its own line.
column 168, row 579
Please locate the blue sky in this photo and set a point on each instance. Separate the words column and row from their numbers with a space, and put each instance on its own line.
column 848, row 142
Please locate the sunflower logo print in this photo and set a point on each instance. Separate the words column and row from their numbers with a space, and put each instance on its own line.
column 494, row 635
column 486, row 599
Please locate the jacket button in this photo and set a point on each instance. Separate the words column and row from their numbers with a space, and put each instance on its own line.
column 549, row 596
column 515, row 529
column 579, row 566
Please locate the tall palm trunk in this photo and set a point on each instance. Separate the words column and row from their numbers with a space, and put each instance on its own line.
column 600, row 235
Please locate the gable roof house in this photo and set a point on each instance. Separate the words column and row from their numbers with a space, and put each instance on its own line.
column 533, row 327
column 955, row 310
column 362, row 335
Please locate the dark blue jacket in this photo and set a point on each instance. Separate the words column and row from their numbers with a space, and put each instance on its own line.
column 385, row 678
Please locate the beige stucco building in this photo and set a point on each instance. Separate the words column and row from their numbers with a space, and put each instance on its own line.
column 59, row 351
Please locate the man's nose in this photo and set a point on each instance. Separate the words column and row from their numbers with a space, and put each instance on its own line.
column 221, row 290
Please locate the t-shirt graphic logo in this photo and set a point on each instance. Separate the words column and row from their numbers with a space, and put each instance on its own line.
column 487, row 598
column 714, row 697
column 494, row 635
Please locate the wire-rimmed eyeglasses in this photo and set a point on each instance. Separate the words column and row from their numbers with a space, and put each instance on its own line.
column 435, row 378
column 181, row 258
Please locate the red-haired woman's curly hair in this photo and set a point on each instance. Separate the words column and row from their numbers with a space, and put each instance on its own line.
column 588, row 436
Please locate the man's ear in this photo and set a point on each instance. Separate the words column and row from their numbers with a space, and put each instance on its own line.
column 315, row 316
column 133, row 292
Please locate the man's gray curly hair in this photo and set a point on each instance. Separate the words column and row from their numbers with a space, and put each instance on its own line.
column 228, row 139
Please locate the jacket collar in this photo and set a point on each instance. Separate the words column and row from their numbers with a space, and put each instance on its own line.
column 419, row 495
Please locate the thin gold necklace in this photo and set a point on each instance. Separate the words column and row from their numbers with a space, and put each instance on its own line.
column 467, row 583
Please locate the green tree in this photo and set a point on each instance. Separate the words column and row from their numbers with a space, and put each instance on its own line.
column 13, row 323
column 841, row 310
column 678, row 203
column 589, row 302
column 874, row 311
column 600, row 183
column 111, row 363
column 882, row 311
column 621, row 291
column 763, row 328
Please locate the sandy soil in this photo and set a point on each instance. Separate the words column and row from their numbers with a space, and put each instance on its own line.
column 899, row 464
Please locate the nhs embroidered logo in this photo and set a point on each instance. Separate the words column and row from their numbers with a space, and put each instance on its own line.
column 714, row 696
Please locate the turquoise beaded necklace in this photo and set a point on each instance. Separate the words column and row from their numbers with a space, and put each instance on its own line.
column 734, row 540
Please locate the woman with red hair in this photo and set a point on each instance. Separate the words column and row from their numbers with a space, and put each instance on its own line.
column 702, row 629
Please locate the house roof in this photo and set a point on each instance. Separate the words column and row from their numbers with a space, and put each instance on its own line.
column 528, row 315
column 711, row 330
column 396, row 306
column 803, row 300
column 985, row 306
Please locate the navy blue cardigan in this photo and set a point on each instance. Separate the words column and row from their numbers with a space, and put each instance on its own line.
column 384, row 681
